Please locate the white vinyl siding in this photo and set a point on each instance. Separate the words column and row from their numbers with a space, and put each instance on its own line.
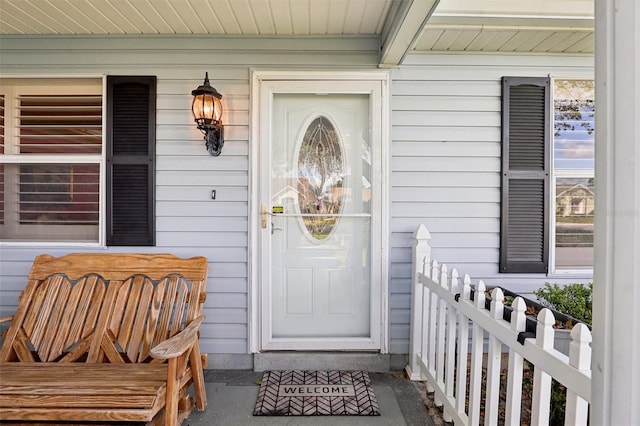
column 446, row 124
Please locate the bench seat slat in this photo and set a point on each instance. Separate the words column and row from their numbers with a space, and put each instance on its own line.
column 7, row 392
column 74, row 372
column 25, row 400
column 130, row 392
column 77, row 415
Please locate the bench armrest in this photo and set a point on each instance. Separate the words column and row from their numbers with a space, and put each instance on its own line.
column 180, row 343
column 6, row 319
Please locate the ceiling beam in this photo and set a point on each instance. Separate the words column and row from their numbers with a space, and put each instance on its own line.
column 512, row 21
column 404, row 29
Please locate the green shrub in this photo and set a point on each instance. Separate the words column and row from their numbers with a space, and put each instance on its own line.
column 575, row 300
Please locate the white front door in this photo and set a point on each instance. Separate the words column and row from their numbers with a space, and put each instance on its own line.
column 320, row 190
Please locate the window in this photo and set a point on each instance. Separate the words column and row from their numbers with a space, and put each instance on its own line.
column 52, row 160
column 321, row 172
column 547, row 166
column 50, row 164
column 573, row 172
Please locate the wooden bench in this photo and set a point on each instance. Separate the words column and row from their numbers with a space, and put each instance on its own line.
column 104, row 338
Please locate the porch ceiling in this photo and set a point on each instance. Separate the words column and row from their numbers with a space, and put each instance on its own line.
column 557, row 26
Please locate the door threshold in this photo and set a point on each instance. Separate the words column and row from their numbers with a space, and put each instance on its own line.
column 367, row 361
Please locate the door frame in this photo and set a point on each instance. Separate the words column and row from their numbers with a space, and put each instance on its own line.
column 258, row 107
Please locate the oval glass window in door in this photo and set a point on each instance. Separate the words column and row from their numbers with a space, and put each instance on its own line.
column 321, row 174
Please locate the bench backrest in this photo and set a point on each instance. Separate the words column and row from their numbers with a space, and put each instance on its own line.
column 103, row 307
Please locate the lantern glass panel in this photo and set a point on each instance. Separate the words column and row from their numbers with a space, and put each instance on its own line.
column 207, row 108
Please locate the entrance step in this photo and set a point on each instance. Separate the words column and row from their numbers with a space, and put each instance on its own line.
column 325, row 361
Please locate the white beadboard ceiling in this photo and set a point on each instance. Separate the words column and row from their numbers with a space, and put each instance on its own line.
column 557, row 26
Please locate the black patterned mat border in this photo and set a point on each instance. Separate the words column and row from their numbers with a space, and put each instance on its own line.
column 316, row 393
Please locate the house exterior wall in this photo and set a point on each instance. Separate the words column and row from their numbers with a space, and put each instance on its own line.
column 444, row 145
column 445, row 167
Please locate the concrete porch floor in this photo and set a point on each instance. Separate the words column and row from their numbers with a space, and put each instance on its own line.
column 232, row 395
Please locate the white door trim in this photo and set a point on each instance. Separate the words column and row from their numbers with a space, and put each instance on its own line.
column 260, row 106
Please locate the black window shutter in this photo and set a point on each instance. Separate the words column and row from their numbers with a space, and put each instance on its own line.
column 131, row 134
column 524, row 232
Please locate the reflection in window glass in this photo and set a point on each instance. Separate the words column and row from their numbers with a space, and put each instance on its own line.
column 574, row 127
column 575, row 204
column 574, row 124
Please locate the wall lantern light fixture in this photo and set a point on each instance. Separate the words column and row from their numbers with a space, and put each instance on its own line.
column 207, row 112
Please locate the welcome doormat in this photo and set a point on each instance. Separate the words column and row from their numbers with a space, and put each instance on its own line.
column 316, row 393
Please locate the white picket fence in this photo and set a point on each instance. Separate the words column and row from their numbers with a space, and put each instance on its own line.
column 449, row 336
